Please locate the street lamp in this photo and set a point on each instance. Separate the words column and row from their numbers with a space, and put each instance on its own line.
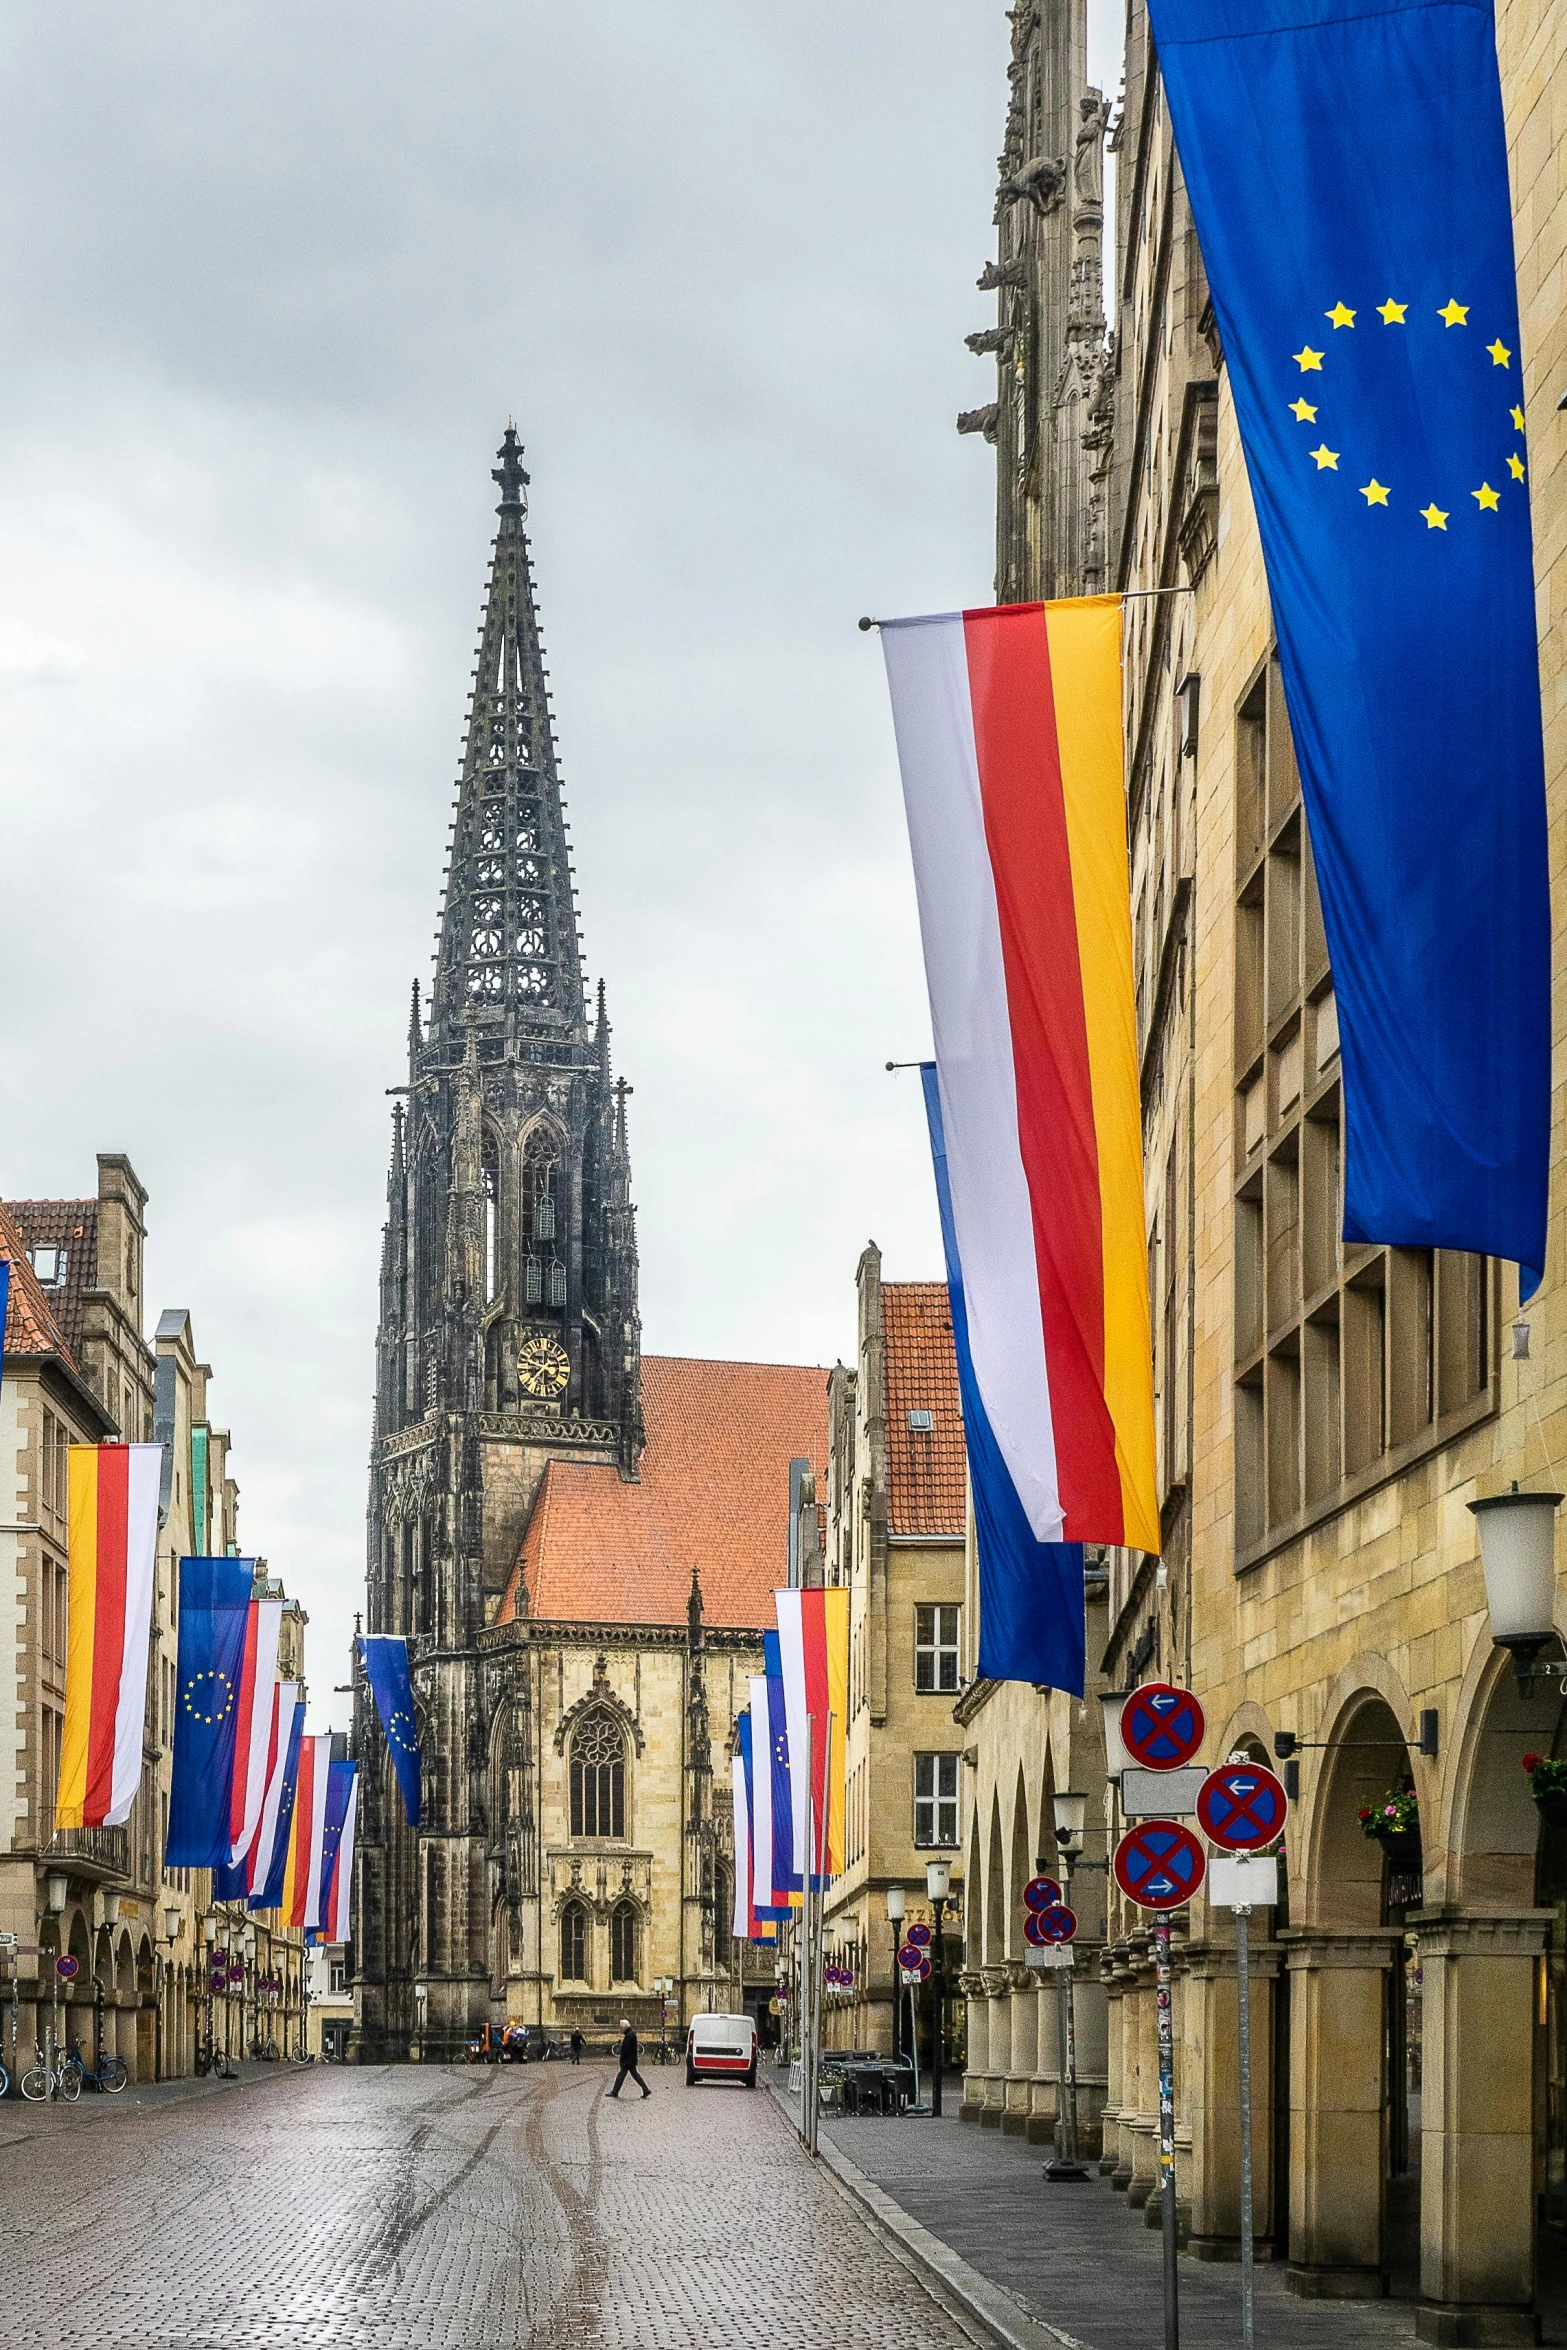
column 56, row 1889
column 895, row 1907
column 1071, row 1811
column 255, row 1996
column 1116, row 1757
column 938, row 1884
column 1518, row 1555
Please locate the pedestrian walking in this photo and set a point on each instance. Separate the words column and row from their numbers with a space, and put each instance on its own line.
column 576, row 2047
column 628, row 2059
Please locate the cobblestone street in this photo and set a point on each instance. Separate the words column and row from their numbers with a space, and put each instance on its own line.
column 440, row 2210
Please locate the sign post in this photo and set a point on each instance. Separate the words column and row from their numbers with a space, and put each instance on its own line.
column 1243, row 1806
column 1052, row 1927
column 1159, row 1864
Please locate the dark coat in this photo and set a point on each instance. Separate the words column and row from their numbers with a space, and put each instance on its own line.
column 628, row 2052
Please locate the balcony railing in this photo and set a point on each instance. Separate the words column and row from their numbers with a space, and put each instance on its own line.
column 106, row 1849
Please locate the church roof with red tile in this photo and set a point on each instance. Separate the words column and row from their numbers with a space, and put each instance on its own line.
column 713, row 1494
column 30, row 1324
column 925, row 1459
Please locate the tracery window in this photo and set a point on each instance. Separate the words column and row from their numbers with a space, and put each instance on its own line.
column 598, row 1777
column 574, row 1943
column 492, row 1191
column 623, row 1943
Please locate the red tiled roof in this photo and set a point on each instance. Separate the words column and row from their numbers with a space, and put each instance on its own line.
column 924, row 1472
column 71, row 1224
column 30, row 1326
column 713, row 1494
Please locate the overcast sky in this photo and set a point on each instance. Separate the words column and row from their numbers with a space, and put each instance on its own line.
column 272, row 278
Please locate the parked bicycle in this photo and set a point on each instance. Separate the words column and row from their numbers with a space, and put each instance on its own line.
column 110, row 2073
column 62, row 2079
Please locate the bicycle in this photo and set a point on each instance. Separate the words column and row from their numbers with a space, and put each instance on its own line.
column 109, row 2074
column 63, row 2080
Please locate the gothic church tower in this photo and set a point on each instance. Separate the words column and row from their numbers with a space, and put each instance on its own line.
column 508, row 1331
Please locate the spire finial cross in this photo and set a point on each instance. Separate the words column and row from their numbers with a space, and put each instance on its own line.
column 511, row 473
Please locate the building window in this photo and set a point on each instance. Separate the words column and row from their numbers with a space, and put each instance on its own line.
column 339, row 1978
column 574, row 1943
column 623, row 1943
column 1350, row 1360
column 935, row 1800
column 936, row 1644
column 598, row 1778
column 48, row 1264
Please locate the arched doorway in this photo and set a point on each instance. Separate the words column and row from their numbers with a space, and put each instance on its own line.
column 1353, row 2019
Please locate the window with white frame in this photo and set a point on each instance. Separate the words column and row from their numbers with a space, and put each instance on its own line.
column 935, row 1801
column 936, row 1644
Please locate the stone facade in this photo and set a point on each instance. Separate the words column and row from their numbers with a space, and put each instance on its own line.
column 895, row 1535
column 1325, row 1416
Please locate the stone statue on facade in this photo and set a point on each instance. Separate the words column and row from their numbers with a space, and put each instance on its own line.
column 1088, row 163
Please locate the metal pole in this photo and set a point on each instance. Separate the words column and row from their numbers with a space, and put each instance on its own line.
column 1243, row 1982
column 1172, row 2289
column 938, row 1987
column 1071, row 2068
column 897, row 1995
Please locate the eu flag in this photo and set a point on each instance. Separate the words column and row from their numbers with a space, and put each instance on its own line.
column 1348, row 177
column 214, row 1613
column 391, row 1685
column 786, row 1879
column 339, row 1782
column 1032, row 1624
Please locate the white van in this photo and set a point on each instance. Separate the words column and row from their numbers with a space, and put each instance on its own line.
column 721, row 2048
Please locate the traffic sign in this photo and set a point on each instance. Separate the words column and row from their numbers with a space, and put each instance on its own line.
column 915, row 1965
column 67, row 1967
column 1159, row 1864
column 1041, row 1893
column 918, row 1937
column 1241, row 1807
column 1043, row 1926
column 1161, row 1726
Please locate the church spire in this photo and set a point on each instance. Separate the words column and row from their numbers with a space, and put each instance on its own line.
column 508, row 948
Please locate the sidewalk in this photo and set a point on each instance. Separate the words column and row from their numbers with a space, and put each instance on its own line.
column 1070, row 2265
column 21, row 2120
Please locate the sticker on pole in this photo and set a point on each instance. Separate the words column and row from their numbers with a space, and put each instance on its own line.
column 1161, row 1726
column 918, row 1937
column 66, row 1968
column 1241, row 1807
column 1159, row 1864
column 1044, row 1926
column 1041, row 1893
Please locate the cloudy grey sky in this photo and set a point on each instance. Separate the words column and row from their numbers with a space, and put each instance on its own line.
column 271, row 280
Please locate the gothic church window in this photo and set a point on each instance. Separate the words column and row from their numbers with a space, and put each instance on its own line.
column 574, row 1943
column 623, row 1943
column 492, row 1192
column 598, row 1778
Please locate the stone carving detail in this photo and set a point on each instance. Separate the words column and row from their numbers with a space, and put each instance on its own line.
column 1039, row 183
column 980, row 420
column 997, row 339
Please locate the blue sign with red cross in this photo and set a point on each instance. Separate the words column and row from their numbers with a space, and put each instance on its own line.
column 1159, row 1864
column 918, row 1937
column 914, row 1961
column 1161, row 1726
column 1041, row 1893
column 1041, row 1927
column 1242, row 1807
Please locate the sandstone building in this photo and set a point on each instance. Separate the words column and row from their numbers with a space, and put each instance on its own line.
column 1326, row 1414
column 581, row 1544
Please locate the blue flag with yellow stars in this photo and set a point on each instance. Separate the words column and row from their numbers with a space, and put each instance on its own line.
column 213, row 1614
column 387, row 1670
column 1348, row 179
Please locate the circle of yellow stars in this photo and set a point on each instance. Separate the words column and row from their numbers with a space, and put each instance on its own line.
column 193, row 1696
column 1452, row 313
column 399, row 1727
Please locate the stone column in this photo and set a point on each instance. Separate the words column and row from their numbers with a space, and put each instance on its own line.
column 1023, row 2001
column 1092, row 2053
column 998, row 1988
column 1211, row 2096
column 1110, row 2118
column 1045, row 2064
column 1338, row 2126
column 972, row 1985
column 1477, row 2126
column 1143, row 2122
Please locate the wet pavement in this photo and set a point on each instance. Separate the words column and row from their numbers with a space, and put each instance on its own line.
column 407, row 2209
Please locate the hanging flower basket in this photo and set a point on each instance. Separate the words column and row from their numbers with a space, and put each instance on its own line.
column 1548, row 1786
column 1394, row 1823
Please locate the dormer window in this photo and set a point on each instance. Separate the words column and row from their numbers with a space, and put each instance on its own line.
column 48, row 1264
column 921, row 1422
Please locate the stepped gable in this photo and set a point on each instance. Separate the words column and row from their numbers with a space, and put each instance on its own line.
column 712, row 1497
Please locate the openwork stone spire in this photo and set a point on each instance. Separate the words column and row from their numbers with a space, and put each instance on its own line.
column 508, row 949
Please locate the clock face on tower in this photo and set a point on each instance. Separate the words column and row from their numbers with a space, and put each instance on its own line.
column 542, row 1367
